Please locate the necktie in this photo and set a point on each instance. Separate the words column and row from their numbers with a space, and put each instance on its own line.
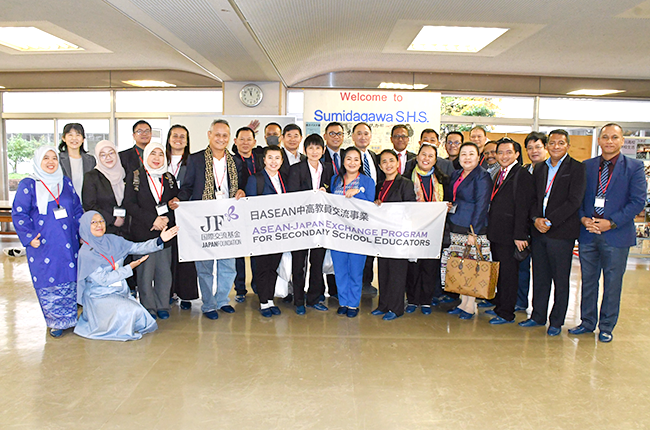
column 502, row 176
column 336, row 161
column 366, row 164
column 602, row 184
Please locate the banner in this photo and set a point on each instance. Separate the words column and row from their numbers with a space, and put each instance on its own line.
column 229, row 228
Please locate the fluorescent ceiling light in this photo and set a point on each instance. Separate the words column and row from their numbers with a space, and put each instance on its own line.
column 1, row 87
column 587, row 92
column 146, row 83
column 397, row 86
column 454, row 39
column 32, row 39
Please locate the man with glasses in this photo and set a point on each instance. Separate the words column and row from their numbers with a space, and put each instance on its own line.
column 132, row 158
column 452, row 145
column 399, row 136
column 334, row 135
column 559, row 190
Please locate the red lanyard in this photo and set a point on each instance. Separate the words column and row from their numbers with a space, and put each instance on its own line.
column 217, row 177
column 56, row 199
column 460, row 179
column 178, row 167
column 109, row 261
column 551, row 184
column 424, row 190
column 159, row 194
column 336, row 169
column 482, row 159
column 281, row 184
column 139, row 156
column 497, row 185
column 600, row 171
column 385, row 189
column 246, row 164
column 345, row 185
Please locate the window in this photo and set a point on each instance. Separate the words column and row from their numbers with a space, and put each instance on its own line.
column 96, row 130
column 169, row 101
column 45, row 102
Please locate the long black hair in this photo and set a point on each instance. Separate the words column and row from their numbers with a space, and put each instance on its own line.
column 342, row 170
column 76, row 127
column 168, row 146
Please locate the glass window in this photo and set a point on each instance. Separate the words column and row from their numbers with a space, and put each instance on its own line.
column 95, row 130
column 45, row 102
column 159, row 129
column 296, row 105
column 497, row 107
column 169, row 101
column 594, row 110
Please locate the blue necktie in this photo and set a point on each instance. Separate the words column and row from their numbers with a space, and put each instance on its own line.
column 336, row 161
column 602, row 185
column 366, row 165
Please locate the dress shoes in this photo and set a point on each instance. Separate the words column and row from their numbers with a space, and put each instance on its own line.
column 275, row 310
column 213, row 315
column 300, row 310
column 520, row 308
column 425, row 309
column 227, row 309
column 321, row 298
column 240, row 298
column 342, row 310
column 465, row 315
column 579, row 330
column 553, row 331
column 499, row 320
column 377, row 312
column 530, row 323
column 605, row 336
column 288, row 298
column 454, row 311
column 319, row 307
column 410, row 309
column 389, row 316
column 352, row 312
column 163, row 315
column 266, row 313
column 485, row 304
column 56, row 332
column 368, row 290
column 491, row 312
column 185, row 305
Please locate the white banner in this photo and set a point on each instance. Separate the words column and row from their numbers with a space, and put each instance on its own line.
column 216, row 229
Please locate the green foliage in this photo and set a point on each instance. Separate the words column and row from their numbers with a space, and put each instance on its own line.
column 20, row 149
column 466, row 106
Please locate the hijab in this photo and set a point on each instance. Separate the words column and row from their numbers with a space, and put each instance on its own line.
column 115, row 174
column 44, row 180
column 155, row 173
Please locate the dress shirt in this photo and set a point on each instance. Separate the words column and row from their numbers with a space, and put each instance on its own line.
column 220, row 175
column 373, row 169
column 402, row 158
column 275, row 180
column 550, row 178
column 293, row 159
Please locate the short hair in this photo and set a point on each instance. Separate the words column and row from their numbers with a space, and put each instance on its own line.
column 610, row 124
column 462, row 138
column 333, row 124
column 534, row 137
column 68, row 127
column 271, row 124
column 361, row 123
column 291, row 127
column 396, row 126
column 429, row 130
column 505, row 140
column 478, row 127
column 219, row 121
column 314, row 139
column 141, row 122
column 244, row 129
column 472, row 144
column 490, row 142
column 168, row 146
column 387, row 151
column 561, row 132
column 271, row 148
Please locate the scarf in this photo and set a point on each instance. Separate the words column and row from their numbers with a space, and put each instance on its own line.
column 53, row 181
column 233, row 184
column 115, row 174
column 435, row 185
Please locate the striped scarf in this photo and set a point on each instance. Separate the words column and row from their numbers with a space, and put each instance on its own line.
column 233, row 184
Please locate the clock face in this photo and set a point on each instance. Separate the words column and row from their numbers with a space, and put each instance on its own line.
column 251, row 95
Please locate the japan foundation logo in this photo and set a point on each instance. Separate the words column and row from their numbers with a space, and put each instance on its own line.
column 218, row 230
column 216, row 222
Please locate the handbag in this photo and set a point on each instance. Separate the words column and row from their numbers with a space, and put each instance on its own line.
column 284, row 276
column 472, row 277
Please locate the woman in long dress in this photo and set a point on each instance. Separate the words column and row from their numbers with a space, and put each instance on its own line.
column 109, row 310
column 46, row 213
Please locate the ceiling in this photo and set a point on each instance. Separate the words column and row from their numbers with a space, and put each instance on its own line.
column 351, row 43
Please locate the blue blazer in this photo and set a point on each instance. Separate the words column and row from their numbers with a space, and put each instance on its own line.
column 365, row 182
column 624, row 199
column 193, row 182
column 251, row 184
column 472, row 198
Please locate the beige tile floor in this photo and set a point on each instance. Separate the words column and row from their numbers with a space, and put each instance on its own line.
column 323, row 371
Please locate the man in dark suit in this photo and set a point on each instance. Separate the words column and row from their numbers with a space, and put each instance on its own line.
column 334, row 136
column 291, row 138
column 508, row 226
column 224, row 181
column 132, row 158
column 399, row 136
column 616, row 192
column 453, row 141
column 559, row 190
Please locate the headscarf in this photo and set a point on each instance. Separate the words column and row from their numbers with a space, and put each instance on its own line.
column 115, row 174
column 113, row 247
column 155, row 173
column 53, row 181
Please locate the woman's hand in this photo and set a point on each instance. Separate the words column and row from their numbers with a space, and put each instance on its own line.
column 471, row 240
column 35, row 243
column 239, row 194
column 138, row 262
column 378, row 202
column 449, row 206
column 119, row 221
column 160, row 223
column 173, row 203
column 167, row 235
column 351, row 193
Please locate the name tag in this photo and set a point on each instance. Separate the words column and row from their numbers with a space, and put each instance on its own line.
column 545, row 201
column 220, row 195
column 162, row 209
column 118, row 211
column 452, row 210
column 116, row 284
column 600, row 202
column 60, row 213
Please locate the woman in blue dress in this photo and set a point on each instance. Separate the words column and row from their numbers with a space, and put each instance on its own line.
column 109, row 310
column 348, row 268
column 45, row 213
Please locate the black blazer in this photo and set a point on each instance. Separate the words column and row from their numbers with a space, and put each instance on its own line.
column 141, row 205
column 508, row 218
column 284, row 169
column 88, row 162
column 327, row 158
column 564, row 201
column 194, row 180
column 97, row 195
column 300, row 177
column 257, row 163
column 269, row 188
column 402, row 190
column 130, row 159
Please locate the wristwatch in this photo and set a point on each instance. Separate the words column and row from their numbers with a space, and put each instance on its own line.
column 612, row 224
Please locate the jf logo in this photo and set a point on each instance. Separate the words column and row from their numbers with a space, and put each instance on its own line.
column 215, row 222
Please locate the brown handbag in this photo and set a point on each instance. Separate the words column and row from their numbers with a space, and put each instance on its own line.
column 469, row 277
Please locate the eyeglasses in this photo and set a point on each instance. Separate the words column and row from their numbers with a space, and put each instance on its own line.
column 335, row 133
column 400, row 136
column 97, row 222
column 453, row 143
column 142, row 131
column 105, row 155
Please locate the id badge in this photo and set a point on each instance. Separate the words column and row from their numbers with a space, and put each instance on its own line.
column 600, row 202
column 119, row 212
column 452, row 210
column 545, row 201
column 220, row 195
column 60, row 213
column 162, row 209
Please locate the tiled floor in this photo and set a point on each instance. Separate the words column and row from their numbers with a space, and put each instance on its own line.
column 324, row 371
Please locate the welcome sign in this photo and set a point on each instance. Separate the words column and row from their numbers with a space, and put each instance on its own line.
column 229, row 228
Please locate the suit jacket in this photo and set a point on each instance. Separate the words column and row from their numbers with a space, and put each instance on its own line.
column 327, row 158
column 402, row 190
column 472, row 200
column 87, row 160
column 509, row 210
column 300, row 177
column 625, row 198
column 97, row 195
column 130, row 159
column 564, row 200
column 194, row 180
column 269, row 188
column 374, row 158
column 285, row 163
column 141, row 205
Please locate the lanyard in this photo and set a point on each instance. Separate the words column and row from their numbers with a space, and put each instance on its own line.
column 139, row 156
column 460, row 179
column 497, row 184
column 246, row 164
column 482, row 159
column 336, row 169
column 345, row 185
column 600, row 171
column 56, row 199
column 178, row 167
column 424, row 191
column 382, row 197
column 111, row 261
column 281, row 184
column 551, row 184
column 159, row 194
column 216, row 177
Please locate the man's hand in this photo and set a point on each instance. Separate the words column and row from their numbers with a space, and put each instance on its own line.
column 540, row 224
column 521, row 244
column 239, row 194
column 173, row 203
column 602, row 225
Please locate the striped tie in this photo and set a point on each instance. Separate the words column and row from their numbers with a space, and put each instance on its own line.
column 366, row 164
column 336, row 161
column 602, row 184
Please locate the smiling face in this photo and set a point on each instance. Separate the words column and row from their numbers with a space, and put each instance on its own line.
column 156, row 159
column 362, row 137
column 272, row 162
column 334, row 137
column 536, row 151
column 557, row 147
column 73, row 140
column 97, row 226
column 314, row 153
column 611, row 141
column 453, row 145
column 506, row 154
column 218, row 138
column 245, row 143
column 388, row 164
column 426, row 158
column 142, row 135
column 291, row 140
column 400, row 139
column 478, row 137
column 352, row 162
column 50, row 162
column 468, row 158
column 108, row 157
column 490, row 152
column 178, row 140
